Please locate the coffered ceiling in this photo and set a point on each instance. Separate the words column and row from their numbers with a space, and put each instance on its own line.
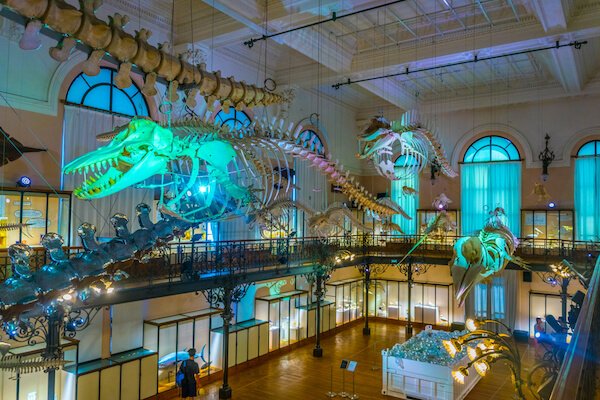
column 411, row 34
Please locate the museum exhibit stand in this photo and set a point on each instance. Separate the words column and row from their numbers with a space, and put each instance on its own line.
column 546, row 230
column 286, row 321
column 348, row 297
column 431, row 302
column 247, row 340
column 425, row 216
column 170, row 337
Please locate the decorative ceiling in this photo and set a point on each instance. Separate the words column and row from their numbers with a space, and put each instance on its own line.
column 411, row 34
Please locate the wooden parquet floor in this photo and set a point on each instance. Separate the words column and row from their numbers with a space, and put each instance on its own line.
column 297, row 375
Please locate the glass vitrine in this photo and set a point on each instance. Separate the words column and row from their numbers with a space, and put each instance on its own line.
column 41, row 211
column 170, row 337
column 546, row 228
column 309, row 314
column 425, row 216
column 348, row 297
column 431, row 303
column 542, row 304
column 285, row 323
column 247, row 340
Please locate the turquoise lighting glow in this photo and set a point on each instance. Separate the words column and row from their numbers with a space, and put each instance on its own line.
column 587, row 193
column 312, row 141
column 408, row 203
column 491, row 148
column 233, row 119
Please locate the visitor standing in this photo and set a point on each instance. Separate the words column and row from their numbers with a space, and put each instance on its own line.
column 190, row 371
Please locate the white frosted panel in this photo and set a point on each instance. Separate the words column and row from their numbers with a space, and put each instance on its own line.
column 253, row 342
column 109, row 383
column 417, row 298
column 242, row 346
column 151, row 337
column 185, row 339
column 149, row 372
column 312, row 322
column 130, row 373
column 88, row 385
column 263, row 339
column 403, row 301
column 537, row 306
column 441, row 293
column 554, row 307
column 201, row 339
column 232, row 337
column 166, row 340
column 34, row 384
column 67, row 385
column 331, row 316
column 9, row 386
column 216, row 349
column 90, row 340
column 127, row 327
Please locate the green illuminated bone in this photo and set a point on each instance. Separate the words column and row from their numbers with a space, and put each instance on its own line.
column 203, row 171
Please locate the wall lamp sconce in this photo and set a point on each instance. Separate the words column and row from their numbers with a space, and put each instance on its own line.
column 546, row 157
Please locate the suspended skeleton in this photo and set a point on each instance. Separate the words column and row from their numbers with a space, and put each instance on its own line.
column 410, row 137
column 206, row 173
column 479, row 257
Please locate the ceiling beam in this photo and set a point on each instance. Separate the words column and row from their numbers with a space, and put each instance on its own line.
column 564, row 65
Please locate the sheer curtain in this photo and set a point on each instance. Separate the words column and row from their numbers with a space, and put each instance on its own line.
column 79, row 137
column 485, row 186
column 408, row 203
column 313, row 188
column 587, row 206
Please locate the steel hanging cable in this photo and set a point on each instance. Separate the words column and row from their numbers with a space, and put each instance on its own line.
column 334, row 17
column 407, row 71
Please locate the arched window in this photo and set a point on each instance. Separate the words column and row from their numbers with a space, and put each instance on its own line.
column 402, row 194
column 491, row 148
column 99, row 92
column 311, row 140
column 490, row 178
column 234, row 119
column 587, row 192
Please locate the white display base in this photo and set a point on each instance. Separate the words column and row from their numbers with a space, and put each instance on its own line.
column 402, row 378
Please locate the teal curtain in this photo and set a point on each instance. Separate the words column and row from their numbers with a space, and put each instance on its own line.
column 587, row 198
column 485, row 186
column 408, row 203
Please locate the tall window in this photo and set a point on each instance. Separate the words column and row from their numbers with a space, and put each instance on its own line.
column 490, row 178
column 493, row 294
column 587, row 192
column 234, row 119
column 311, row 140
column 403, row 195
column 481, row 300
column 100, row 93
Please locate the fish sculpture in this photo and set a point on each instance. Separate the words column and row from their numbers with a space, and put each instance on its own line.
column 409, row 191
column 441, row 202
column 539, row 190
column 411, row 140
column 205, row 172
column 175, row 357
column 11, row 149
column 479, row 257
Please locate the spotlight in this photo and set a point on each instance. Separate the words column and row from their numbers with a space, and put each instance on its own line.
column 551, row 204
column 24, row 181
column 204, row 189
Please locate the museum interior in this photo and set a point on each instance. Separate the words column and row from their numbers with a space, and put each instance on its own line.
column 362, row 199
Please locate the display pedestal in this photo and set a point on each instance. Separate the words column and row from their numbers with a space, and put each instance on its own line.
column 403, row 378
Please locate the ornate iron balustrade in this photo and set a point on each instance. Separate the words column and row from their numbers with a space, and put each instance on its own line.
column 195, row 259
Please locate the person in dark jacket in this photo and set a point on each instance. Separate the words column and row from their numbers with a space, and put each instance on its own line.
column 190, row 371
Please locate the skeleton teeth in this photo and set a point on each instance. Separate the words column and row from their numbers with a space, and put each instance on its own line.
column 104, row 164
column 99, row 165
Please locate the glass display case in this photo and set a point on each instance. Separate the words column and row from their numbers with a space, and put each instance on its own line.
column 431, row 303
column 171, row 337
column 424, row 217
column 546, row 228
column 35, row 384
column 247, row 340
column 542, row 304
column 43, row 211
column 309, row 314
column 285, row 323
column 348, row 297
column 129, row 375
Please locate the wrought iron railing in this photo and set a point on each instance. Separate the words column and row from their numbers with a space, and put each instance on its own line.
column 579, row 376
column 234, row 256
